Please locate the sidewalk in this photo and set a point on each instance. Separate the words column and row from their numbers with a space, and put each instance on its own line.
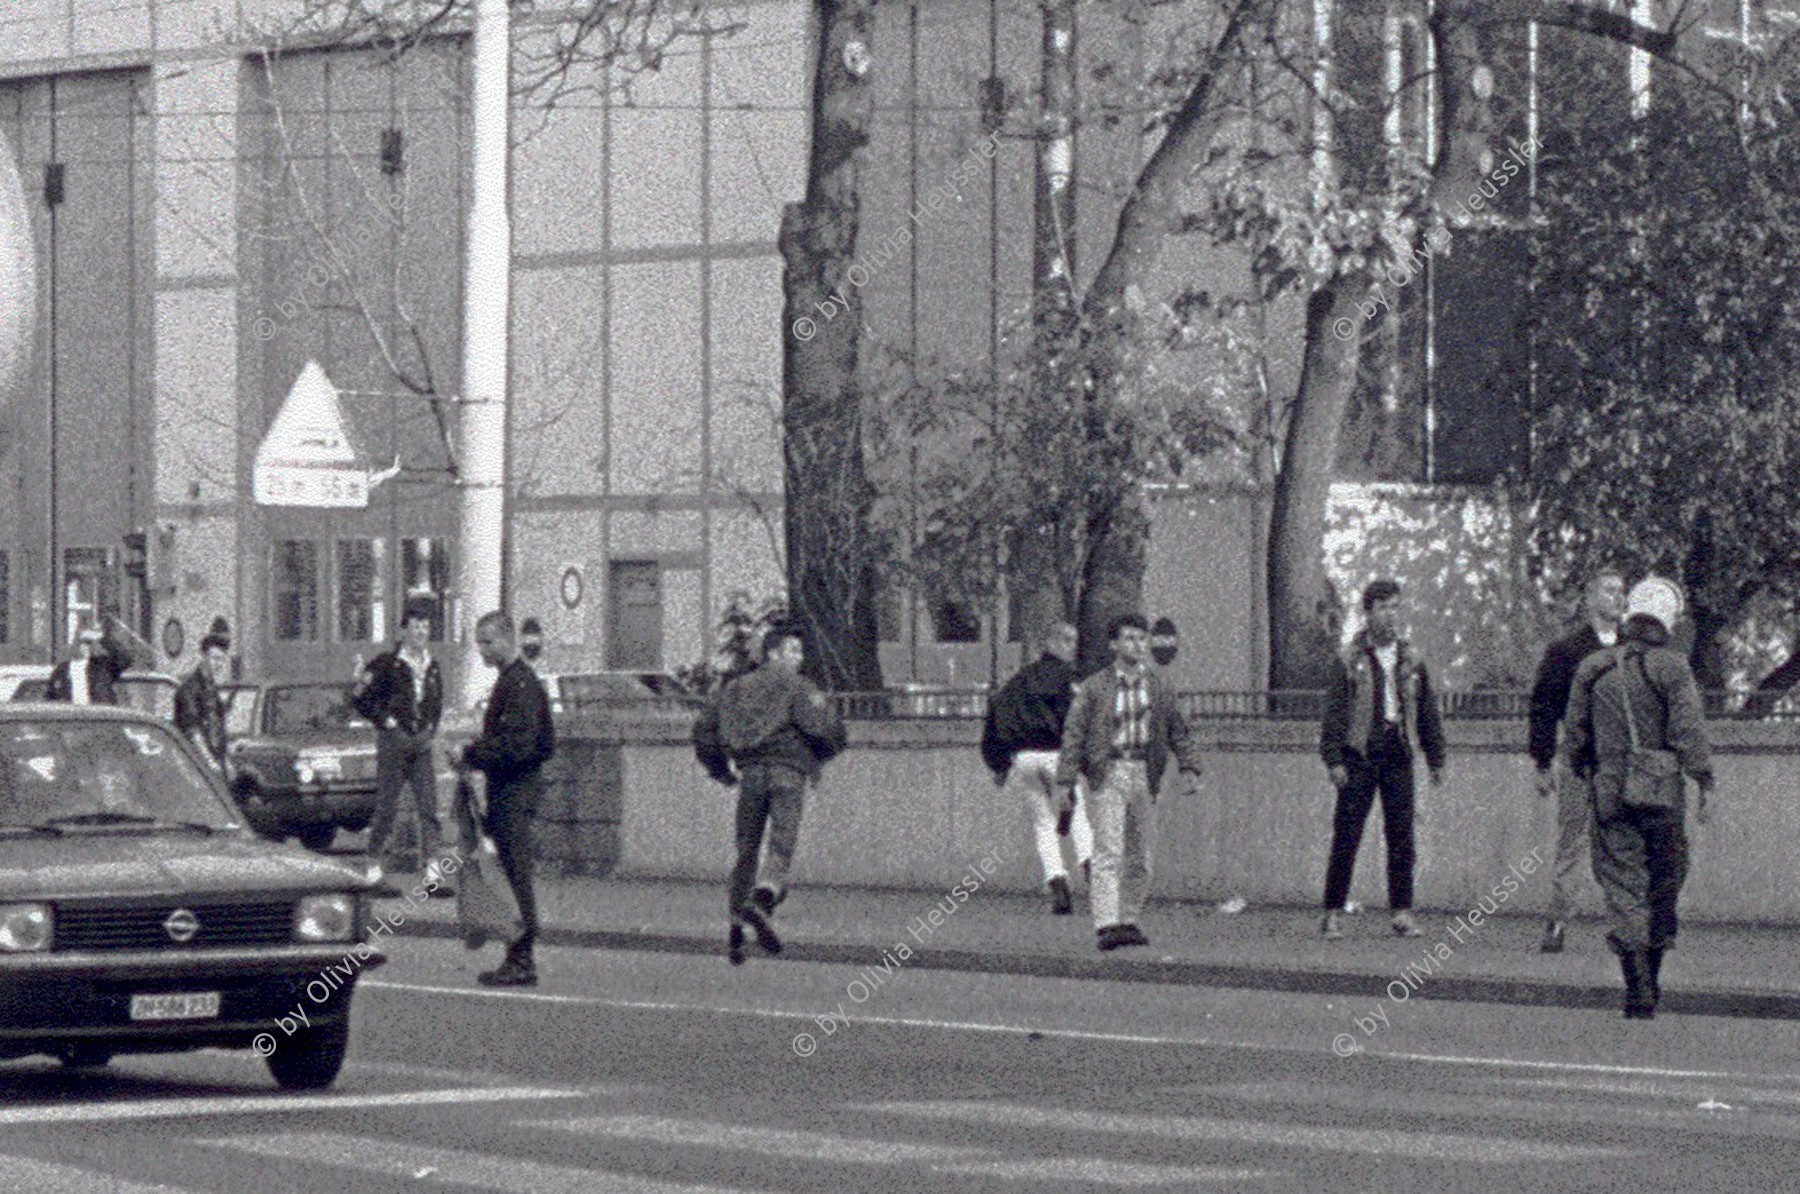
column 1719, row 970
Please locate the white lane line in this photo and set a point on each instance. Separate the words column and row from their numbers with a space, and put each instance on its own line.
column 1105, row 1173
column 270, row 1104
column 1546, row 1101
column 1073, row 1034
column 1435, row 1146
column 833, row 1149
column 48, row 1177
column 422, row 1164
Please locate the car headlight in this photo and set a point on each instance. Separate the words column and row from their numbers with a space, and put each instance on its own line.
column 24, row 928
column 325, row 918
column 308, row 768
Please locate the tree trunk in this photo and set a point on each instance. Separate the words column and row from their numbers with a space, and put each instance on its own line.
column 1772, row 687
column 1298, row 650
column 830, row 549
column 1032, row 572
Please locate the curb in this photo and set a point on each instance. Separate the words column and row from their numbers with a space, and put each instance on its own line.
column 1724, row 1002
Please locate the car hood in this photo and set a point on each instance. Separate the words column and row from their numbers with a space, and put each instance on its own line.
column 129, row 864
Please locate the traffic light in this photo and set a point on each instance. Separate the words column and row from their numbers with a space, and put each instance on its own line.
column 137, row 555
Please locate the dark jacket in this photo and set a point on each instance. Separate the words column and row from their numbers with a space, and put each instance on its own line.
column 200, row 712
column 1028, row 713
column 104, row 668
column 517, row 734
column 1353, row 705
column 1550, row 691
column 385, row 690
column 1665, row 705
column 770, row 717
column 1088, row 733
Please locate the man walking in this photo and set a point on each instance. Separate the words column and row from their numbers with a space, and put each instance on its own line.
column 1020, row 741
column 1603, row 602
column 199, row 705
column 779, row 730
column 1635, row 726
column 1380, row 712
column 517, row 738
column 401, row 693
column 1122, row 728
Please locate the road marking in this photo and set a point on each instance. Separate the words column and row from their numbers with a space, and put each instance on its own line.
column 273, row 1103
column 1072, row 1034
column 844, row 1150
column 1435, row 1146
column 48, row 1177
column 447, row 1166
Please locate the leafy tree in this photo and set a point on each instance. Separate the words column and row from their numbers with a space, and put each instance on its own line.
column 1668, row 418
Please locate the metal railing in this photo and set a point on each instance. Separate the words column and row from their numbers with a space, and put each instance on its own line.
column 1281, row 705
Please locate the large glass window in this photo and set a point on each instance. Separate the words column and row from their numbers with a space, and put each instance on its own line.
column 296, row 590
column 361, row 611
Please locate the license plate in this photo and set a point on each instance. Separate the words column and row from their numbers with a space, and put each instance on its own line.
column 198, row 1005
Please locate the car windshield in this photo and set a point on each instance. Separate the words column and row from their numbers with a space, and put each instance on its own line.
column 310, row 709
column 101, row 772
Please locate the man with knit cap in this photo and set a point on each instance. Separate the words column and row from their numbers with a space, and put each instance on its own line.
column 1637, row 707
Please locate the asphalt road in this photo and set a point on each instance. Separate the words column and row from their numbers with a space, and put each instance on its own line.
column 660, row 1072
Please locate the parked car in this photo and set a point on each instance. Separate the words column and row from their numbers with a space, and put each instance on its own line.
column 303, row 760
column 138, row 914
column 572, row 691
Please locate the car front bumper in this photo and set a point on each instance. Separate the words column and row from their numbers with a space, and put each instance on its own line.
column 49, row 1001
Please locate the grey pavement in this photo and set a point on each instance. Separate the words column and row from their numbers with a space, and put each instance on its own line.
column 1718, row 970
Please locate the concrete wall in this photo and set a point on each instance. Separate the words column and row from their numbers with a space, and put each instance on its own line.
column 910, row 805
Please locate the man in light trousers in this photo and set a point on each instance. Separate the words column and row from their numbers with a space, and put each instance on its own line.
column 1122, row 729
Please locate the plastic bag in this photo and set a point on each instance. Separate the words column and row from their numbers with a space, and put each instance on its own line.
column 486, row 907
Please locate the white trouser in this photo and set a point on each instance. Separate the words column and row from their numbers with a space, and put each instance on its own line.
column 1124, row 826
column 1034, row 774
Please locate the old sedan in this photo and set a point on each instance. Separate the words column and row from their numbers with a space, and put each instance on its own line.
column 139, row 914
column 303, row 761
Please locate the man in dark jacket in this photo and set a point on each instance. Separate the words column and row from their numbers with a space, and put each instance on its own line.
column 1123, row 731
column 517, row 738
column 1019, row 743
column 1640, row 697
column 1603, row 603
column 1380, row 713
column 199, row 706
column 401, row 693
column 91, row 676
column 778, row 729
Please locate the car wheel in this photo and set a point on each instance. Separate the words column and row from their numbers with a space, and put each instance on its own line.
column 82, row 1057
column 311, row 1058
column 317, row 837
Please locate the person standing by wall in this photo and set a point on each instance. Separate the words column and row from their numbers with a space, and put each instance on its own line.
column 517, row 738
column 1603, row 602
column 1020, row 740
column 199, row 705
column 1635, row 727
column 1123, row 727
column 1380, row 712
column 401, row 693
column 778, row 729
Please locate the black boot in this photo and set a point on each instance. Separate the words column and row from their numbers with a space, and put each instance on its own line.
column 1653, row 971
column 1635, row 966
